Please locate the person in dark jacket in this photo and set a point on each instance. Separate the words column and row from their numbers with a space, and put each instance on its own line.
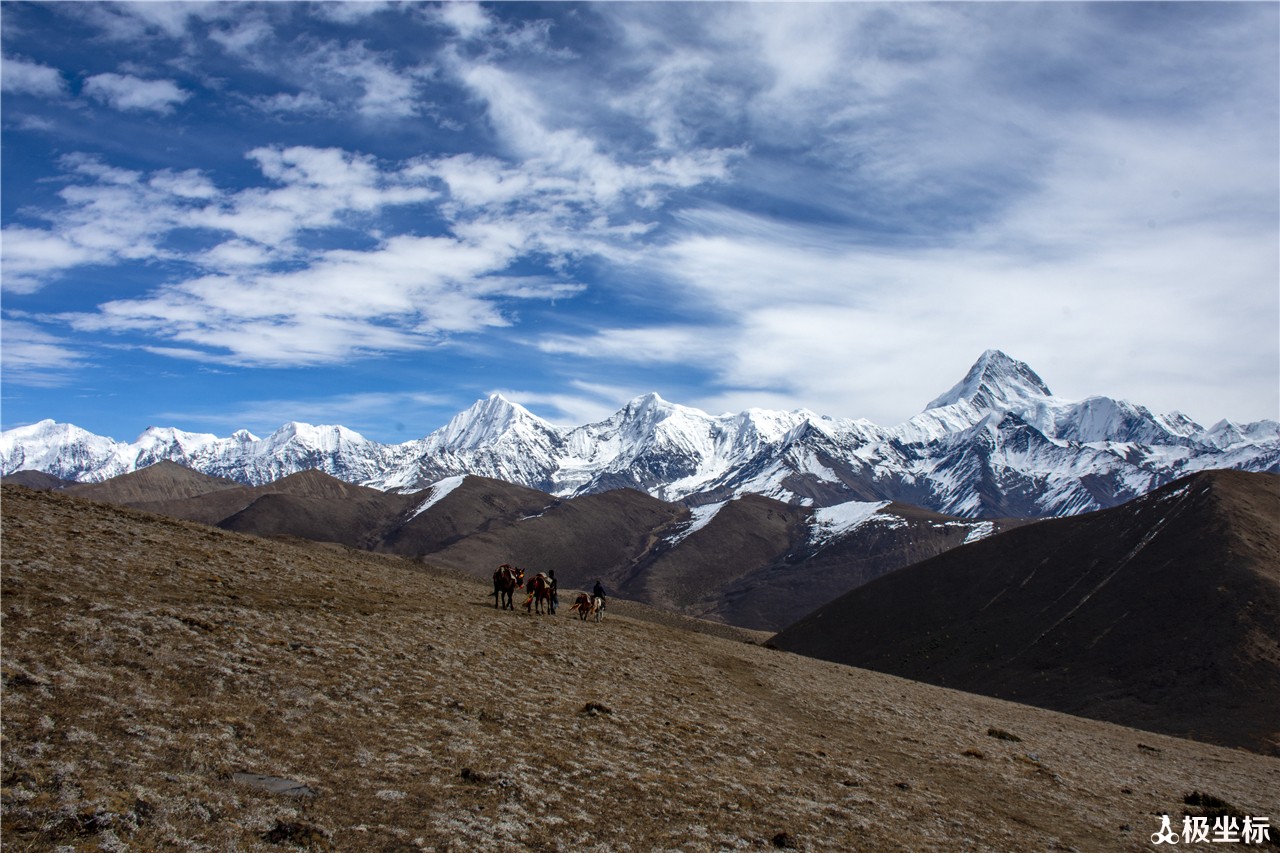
column 598, row 592
column 555, row 596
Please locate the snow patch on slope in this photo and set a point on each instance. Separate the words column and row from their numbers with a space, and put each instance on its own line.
column 702, row 516
column 836, row 521
column 438, row 492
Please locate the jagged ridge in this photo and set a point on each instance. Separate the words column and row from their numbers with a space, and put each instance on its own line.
column 997, row 444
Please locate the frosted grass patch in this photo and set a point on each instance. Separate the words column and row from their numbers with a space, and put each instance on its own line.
column 833, row 522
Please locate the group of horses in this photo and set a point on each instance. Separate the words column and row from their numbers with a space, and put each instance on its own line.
column 507, row 579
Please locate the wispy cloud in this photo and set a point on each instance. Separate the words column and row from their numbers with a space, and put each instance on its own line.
column 35, row 357
column 31, row 78
column 407, row 413
column 126, row 92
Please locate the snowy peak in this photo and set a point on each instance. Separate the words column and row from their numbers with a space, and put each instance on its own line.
column 486, row 422
column 998, row 444
column 995, row 381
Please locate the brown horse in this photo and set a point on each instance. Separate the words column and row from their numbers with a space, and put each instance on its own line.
column 584, row 604
column 506, row 580
column 539, row 592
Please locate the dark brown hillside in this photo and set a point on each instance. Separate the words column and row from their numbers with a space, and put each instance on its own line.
column 313, row 505
column 35, row 480
column 744, row 535
column 1162, row 614
column 754, row 565
column 595, row 536
column 154, row 485
column 169, row 685
column 477, row 505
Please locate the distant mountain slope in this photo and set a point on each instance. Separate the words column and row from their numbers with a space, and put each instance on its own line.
column 752, row 561
column 996, row 445
column 313, row 505
column 1162, row 614
column 458, row 507
column 36, row 480
column 593, row 537
column 156, row 484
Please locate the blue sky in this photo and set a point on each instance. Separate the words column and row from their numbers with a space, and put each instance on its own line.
column 233, row 215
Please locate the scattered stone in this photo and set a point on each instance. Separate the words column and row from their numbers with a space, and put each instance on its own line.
column 299, row 833
column 1001, row 734
column 592, row 709
column 273, row 784
column 785, row 841
column 906, row 786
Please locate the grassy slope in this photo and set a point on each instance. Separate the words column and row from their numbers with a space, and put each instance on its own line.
column 146, row 660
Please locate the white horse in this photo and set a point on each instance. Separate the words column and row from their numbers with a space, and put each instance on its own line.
column 597, row 607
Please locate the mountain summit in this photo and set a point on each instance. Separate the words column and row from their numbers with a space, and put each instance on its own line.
column 996, row 445
column 995, row 381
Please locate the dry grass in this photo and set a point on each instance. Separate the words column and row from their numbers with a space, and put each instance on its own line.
column 147, row 661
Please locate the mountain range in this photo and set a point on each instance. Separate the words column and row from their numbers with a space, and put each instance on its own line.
column 998, row 444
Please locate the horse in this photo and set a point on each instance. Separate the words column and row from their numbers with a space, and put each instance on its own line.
column 506, row 580
column 589, row 605
column 539, row 592
column 582, row 605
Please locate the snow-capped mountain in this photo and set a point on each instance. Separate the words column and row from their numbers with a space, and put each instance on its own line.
column 999, row 443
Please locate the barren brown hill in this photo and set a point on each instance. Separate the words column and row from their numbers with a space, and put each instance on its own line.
column 35, row 480
column 153, row 486
column 313, row 505
column 1162, row 614
column 475, row 505
column 757, row 565
column 594, row 536
column 169, row 685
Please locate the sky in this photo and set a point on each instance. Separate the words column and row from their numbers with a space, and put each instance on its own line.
column 233, row 215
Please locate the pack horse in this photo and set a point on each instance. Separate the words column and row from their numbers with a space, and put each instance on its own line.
column 587, row 606
column 506, row 580
column 539, row 593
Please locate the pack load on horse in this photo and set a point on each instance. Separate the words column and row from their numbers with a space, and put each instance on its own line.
column 506, row 580
column 540, row 588
column 587, row 605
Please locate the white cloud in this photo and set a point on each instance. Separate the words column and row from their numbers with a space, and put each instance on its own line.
column 382, row 90
column 29, row 255
column 126, row 92
column 33, row 356
column 467, row 19
column 351, row 12
column 244, row 35
column 407, row 294
column 31, row 78
column 298, row 102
